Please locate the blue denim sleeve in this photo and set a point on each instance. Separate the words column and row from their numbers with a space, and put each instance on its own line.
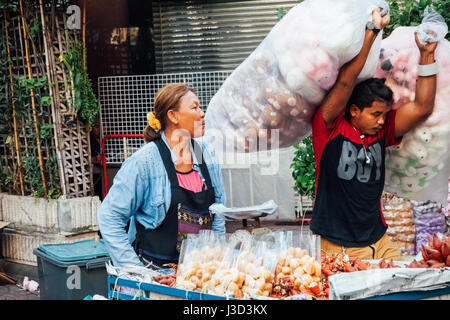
column 215, row 172
column 121, row 202
column 218, row 224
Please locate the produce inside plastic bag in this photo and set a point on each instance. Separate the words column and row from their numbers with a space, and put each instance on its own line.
column 418, row 169
column 429, row 220
column 246, row 266
column 200, row 257
column 269, row 99
column 298, row 263
column 258, row 264
column 399, row 216
column 227, row 279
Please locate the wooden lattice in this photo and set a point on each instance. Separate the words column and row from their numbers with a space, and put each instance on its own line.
column 27, row 142
column 69, row 146
column 73, row 135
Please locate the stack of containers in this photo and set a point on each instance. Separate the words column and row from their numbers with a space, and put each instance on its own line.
column 399, row 217
column 429, row 219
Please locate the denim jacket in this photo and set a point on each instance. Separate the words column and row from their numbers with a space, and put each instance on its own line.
column 141, row 190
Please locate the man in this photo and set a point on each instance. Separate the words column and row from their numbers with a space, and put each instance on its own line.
column 350, row 132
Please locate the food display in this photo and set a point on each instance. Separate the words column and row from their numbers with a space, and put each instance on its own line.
column 429, row 219
column 436, row 253
column 168, row 280
column 338, row 263
column 274, row 265
column 399, row 216
column 277, row 264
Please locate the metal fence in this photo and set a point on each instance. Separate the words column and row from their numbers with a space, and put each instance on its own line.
column 126, row 100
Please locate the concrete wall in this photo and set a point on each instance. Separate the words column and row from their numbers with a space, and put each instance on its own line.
column 36, row 221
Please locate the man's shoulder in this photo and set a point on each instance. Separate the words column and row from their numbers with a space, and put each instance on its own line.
column 318, row 122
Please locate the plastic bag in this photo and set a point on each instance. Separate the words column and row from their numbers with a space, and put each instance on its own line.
column 399, row 216
column 227, row 279
column 258, row 265
column 419, row 168
column 244, row 265
column 200, row 257
column 269, row 99
column 267, row 208
column 298, row 265
column 429, row 219
column 433, row 27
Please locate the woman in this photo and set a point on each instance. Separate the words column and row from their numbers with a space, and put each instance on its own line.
column 166, row 187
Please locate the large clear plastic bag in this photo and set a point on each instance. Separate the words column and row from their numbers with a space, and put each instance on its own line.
column 419, row 168
column 269, row 99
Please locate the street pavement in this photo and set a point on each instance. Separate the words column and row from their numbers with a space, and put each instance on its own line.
column 18, row 272
column 14, row 292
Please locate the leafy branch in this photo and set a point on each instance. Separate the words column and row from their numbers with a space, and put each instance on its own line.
column 84, row 100
column 411, row 13
column 304, row 168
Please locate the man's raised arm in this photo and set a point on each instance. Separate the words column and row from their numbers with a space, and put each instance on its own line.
column 414, row 112
column 336, row 100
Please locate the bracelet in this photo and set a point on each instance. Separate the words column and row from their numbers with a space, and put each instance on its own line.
column 425, row 70
column 373, row 27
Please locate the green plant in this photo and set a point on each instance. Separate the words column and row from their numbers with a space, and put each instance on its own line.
column 30, row 160
column 32, row 175
column 25, row 121
column 34, row 27
column 6, row 178
column 411, row 12
column 304, row 168
column 281, row 12
column 4, row 89
column 84, row 100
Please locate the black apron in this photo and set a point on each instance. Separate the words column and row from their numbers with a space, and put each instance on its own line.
column 188, row 213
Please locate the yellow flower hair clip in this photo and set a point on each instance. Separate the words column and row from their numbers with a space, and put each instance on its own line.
column 153, row 122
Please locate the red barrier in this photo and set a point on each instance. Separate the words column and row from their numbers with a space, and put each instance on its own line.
column 103, row 153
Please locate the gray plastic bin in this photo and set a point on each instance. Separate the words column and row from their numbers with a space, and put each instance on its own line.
column 72, row 271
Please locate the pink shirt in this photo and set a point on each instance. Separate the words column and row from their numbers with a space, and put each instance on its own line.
column 190, row 180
